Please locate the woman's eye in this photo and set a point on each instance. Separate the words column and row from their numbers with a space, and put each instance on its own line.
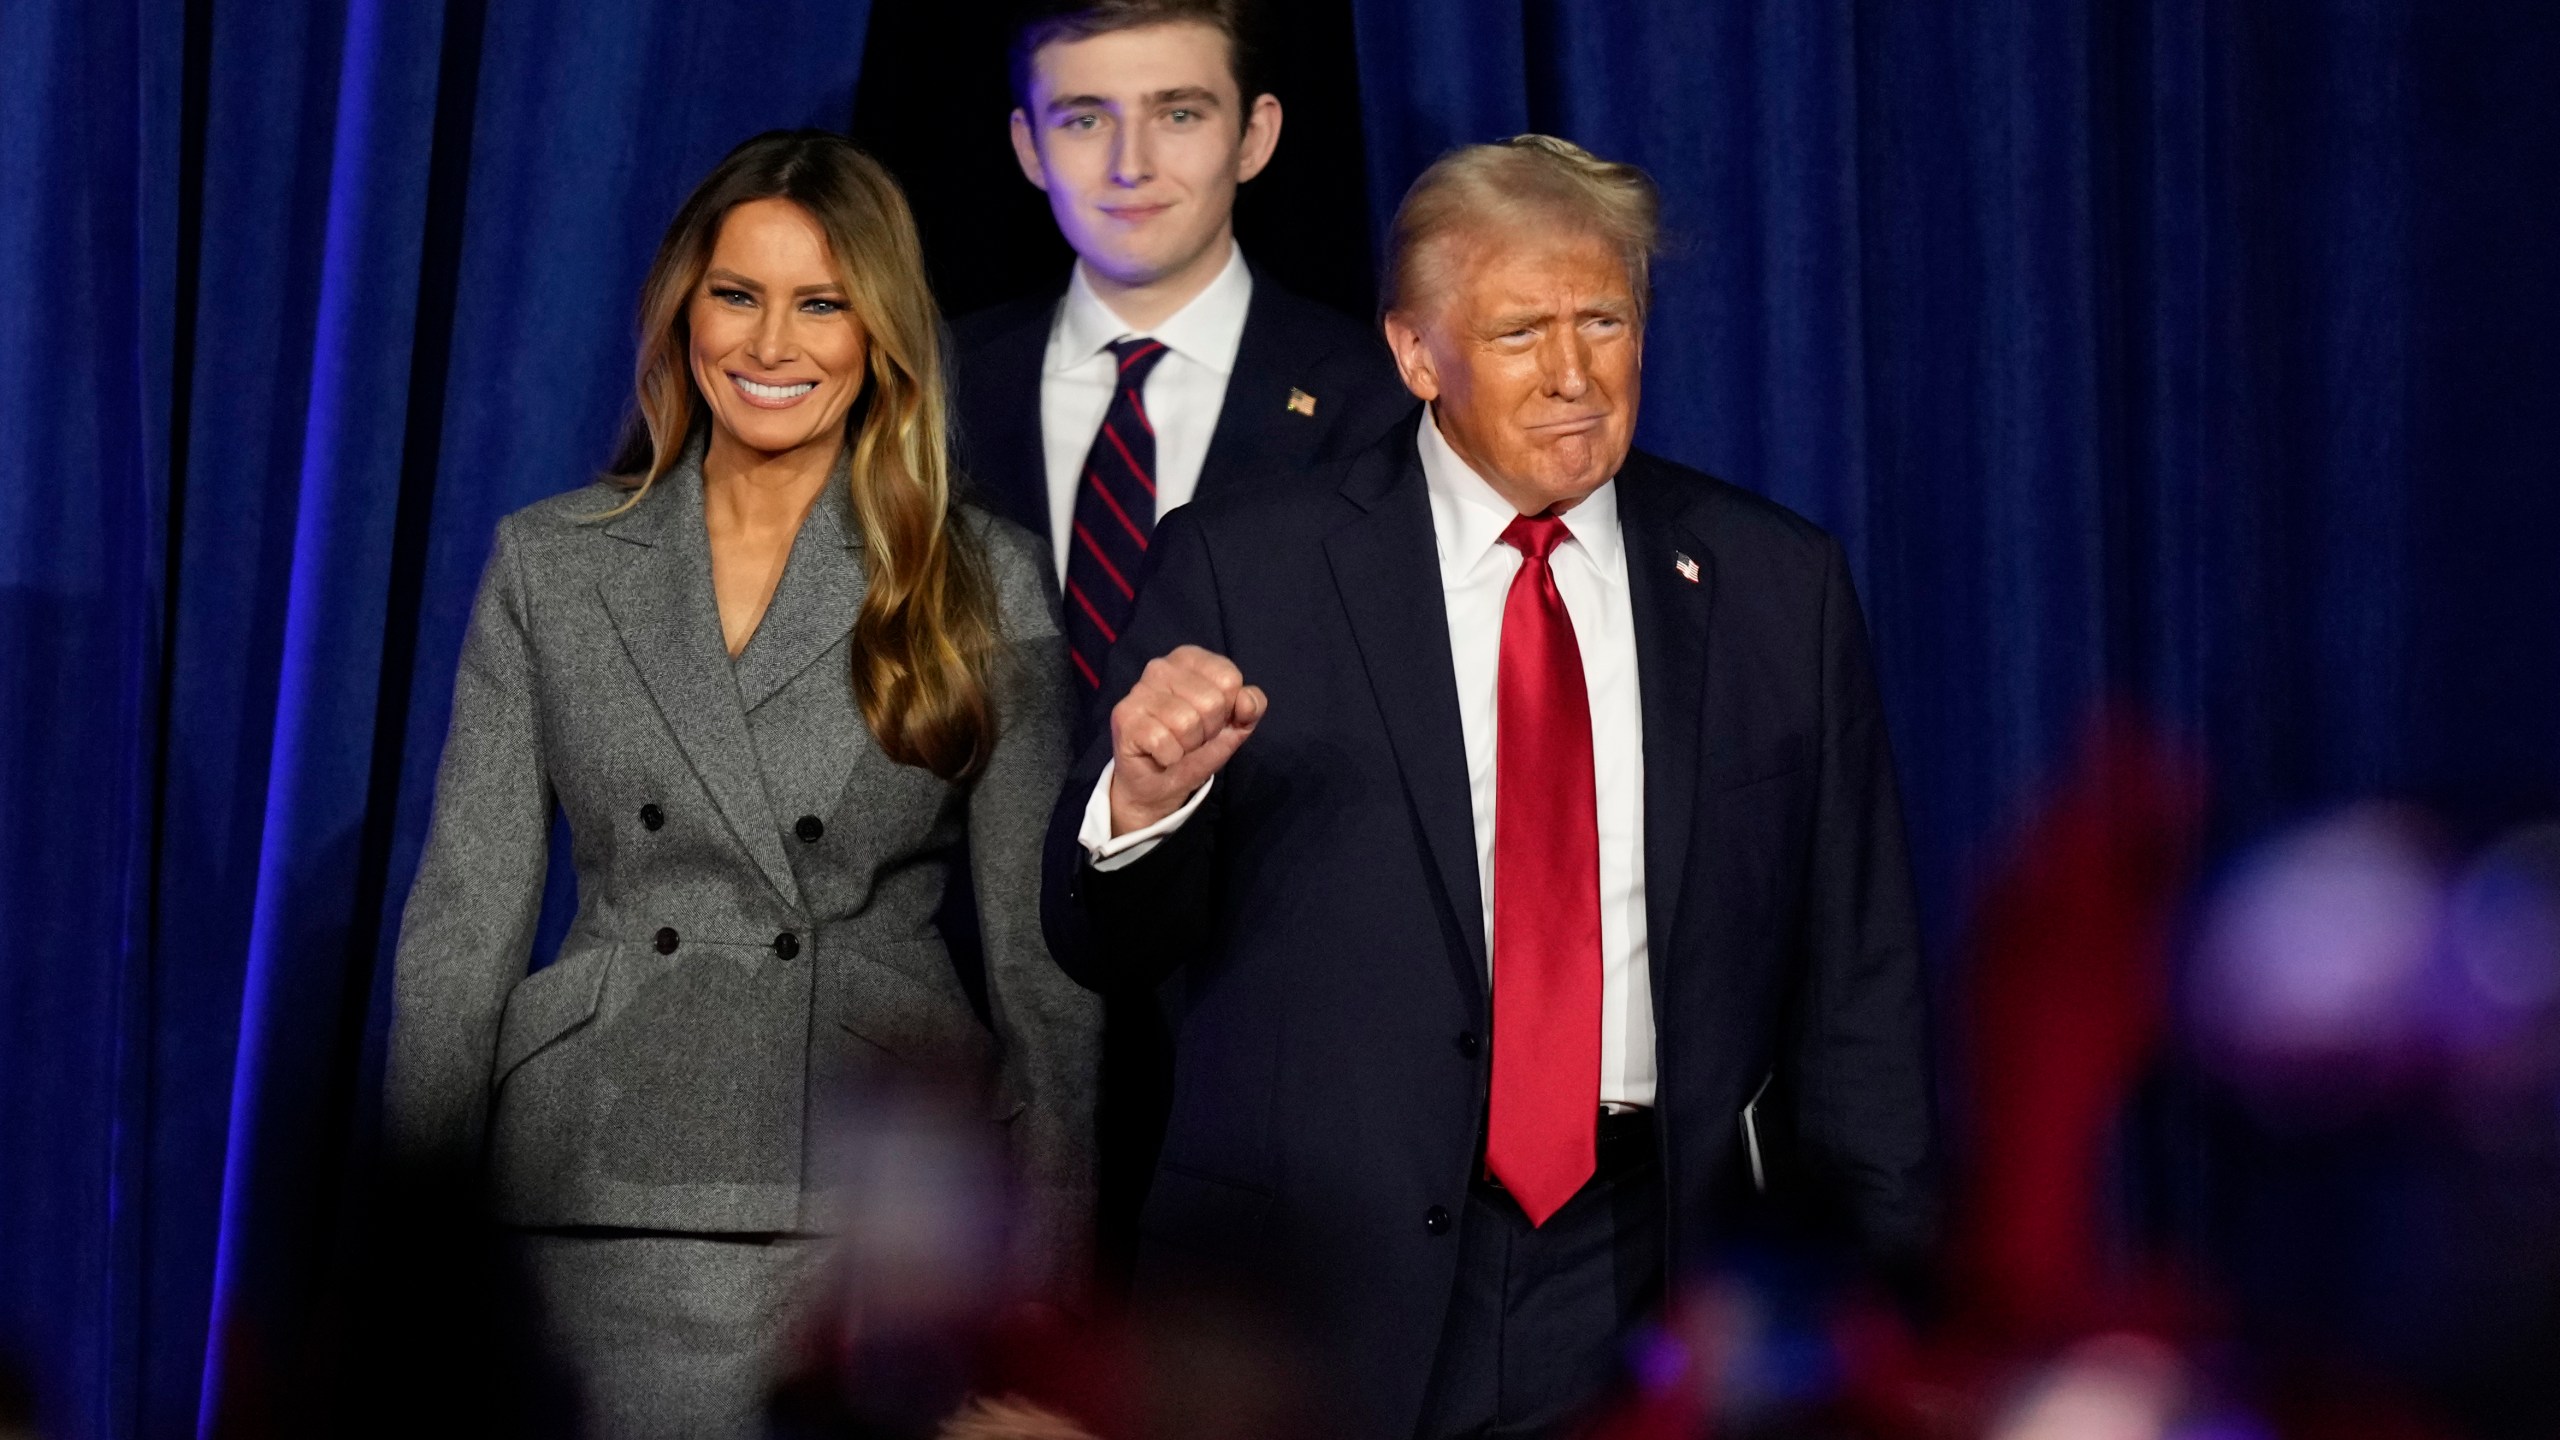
column 822, row 307
column 732, row 297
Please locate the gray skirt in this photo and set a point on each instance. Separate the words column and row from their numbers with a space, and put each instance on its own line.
column 670, row 1335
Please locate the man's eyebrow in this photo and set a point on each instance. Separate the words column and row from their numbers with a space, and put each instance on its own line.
column 1197, row 96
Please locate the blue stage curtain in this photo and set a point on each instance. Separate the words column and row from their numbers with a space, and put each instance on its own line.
column 2198, row 354
column 88, row 159
column 2194, row 355
column 305, row 297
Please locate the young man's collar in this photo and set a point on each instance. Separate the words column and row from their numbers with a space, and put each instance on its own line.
column 1207, row 330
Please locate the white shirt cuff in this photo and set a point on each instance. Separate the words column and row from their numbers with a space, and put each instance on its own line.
column 1110, row 852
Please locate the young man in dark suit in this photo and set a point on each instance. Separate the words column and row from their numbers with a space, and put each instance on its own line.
column 1164, row 368
column 1517, row 812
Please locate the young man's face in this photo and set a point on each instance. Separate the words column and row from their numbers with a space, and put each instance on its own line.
column 1140, row 138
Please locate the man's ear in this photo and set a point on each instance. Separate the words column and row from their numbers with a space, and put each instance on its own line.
column 1413, row 357
column 1026, row 150
column 1261, row 137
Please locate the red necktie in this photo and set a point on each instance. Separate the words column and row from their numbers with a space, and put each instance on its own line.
column 1546, row 894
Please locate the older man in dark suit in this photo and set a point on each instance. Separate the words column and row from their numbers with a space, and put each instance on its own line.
column 1517, row 811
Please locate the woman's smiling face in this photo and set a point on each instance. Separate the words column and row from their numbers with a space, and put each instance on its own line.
column 776, row 350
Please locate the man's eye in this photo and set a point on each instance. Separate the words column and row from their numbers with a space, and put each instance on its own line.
column 1080, row 122
column 1182, row 116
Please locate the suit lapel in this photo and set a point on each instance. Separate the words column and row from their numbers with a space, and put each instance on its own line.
column 1257, row 431
column 663, row 607
column 1385, row 565
column 821, row 589
column 1665, row 548
column 1007, row 461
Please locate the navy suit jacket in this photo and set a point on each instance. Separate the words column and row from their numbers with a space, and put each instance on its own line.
column 1289, row 344
column 1322, row 911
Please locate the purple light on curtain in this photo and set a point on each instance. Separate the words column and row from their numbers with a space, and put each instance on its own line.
column 321, row 754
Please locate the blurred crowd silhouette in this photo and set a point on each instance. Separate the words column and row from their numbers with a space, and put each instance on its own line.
column 2262, row 1147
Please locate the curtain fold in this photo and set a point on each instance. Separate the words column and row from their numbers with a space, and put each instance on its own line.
column 291, row 1089
column 89, row 223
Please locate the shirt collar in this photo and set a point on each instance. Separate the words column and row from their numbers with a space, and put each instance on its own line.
column 1206, row 331
column 1468, row 515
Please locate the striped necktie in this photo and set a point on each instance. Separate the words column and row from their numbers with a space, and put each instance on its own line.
column 1114, row 516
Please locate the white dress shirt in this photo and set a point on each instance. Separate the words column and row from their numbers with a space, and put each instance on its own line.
column 1467, row 520
column 1184, row 392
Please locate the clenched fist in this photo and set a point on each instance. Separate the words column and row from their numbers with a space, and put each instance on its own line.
column 1177, row 727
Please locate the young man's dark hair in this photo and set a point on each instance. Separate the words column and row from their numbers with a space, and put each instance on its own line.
column 1061, row 20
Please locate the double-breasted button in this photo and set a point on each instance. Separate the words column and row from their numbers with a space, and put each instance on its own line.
column 1436, row 1219
column 667, row 940
column 1469, row 1044
column 810, row 828
column 651, row 817
column 786, row 945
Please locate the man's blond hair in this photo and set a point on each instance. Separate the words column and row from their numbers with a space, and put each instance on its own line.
column 1480, row 191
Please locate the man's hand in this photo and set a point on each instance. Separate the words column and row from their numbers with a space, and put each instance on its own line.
column 1177, row 727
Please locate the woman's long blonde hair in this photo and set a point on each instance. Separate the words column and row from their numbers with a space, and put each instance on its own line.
column 925, row 636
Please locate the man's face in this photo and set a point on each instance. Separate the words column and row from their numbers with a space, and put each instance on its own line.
column 1531, row 357
column 1140, row 139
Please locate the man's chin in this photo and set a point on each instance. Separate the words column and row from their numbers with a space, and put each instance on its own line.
column 1576, row 465
column 1133, row 266
column 1123, row 269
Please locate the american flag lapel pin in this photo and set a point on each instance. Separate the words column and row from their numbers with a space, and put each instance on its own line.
column 1301, row 403
column 1687, row 567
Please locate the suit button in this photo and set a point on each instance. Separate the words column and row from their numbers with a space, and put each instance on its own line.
column 667, row 940
column 1436, row 1220
column 1469, row 1045
column 651, row 817
column 786, row 945
column 810, row 828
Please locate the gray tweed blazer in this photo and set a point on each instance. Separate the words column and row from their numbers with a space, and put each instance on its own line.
column 757, row 885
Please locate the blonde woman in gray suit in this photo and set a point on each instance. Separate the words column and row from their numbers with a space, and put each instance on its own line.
column 774, row 675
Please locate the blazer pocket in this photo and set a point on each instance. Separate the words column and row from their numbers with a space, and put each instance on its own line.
column 894, row 1011
column 1761, row 764
column 1203, row 1214
column 546, row 1005
column 1004, row 1103
column 1753, row 1136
